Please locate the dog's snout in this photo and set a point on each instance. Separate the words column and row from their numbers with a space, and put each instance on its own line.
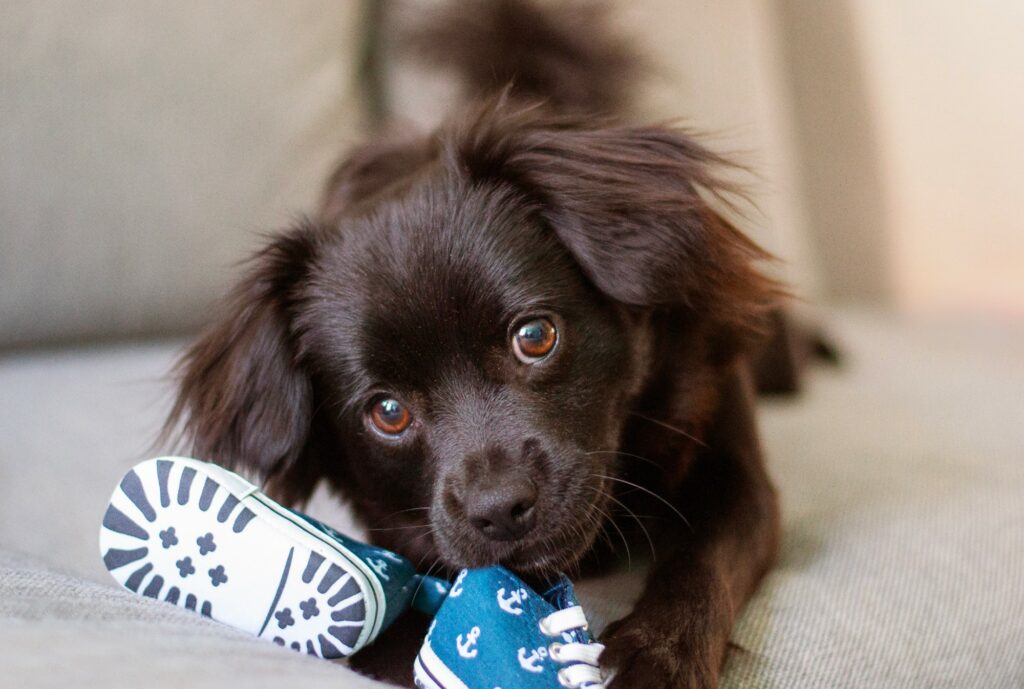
column 505, row 512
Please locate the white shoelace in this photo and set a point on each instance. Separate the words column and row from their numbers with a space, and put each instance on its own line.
column 584, row 673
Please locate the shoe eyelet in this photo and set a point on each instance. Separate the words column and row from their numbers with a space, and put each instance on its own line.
column 544, row 628
column 563, row 679
column 554, row 651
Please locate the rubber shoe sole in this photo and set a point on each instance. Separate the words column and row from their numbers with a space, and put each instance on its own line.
column 201, row 537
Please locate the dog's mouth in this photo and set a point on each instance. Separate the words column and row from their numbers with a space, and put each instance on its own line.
column 556, row 545
column 546, row 560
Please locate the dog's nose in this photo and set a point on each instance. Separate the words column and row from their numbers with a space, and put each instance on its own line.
column 505, row 512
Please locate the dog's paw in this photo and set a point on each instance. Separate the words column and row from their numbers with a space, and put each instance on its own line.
column 635, row 657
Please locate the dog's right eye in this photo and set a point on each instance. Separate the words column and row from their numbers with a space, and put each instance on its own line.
column 534, row 339
column 389, row 416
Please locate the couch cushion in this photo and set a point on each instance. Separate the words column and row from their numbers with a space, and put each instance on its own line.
column 58, row 630
column 901, row 476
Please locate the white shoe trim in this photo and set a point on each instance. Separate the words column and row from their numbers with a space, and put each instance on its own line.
column 433, row 673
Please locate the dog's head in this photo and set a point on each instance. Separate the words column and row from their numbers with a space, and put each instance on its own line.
column 457, row 343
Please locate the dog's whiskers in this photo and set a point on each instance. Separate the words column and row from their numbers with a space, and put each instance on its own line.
column 430, row 569
column 599, row 530
column 401, row 528
column 626, row 454
column 631, row 513
column 405, row 511
column 669, row 427
column 651, row 493
column 609, row 520
column 424, row 534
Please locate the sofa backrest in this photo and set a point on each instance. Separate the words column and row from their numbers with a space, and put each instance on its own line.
column 144, row 147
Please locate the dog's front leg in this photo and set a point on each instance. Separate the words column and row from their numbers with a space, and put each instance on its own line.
column 678, row 632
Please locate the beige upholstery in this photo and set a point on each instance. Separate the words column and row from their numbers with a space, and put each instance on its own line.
column 144, row 146
column 901, row 477
column 61, row 631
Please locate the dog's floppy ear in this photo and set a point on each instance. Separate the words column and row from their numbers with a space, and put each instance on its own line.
column 244, row 400
column 370, row 170
column 632, row 206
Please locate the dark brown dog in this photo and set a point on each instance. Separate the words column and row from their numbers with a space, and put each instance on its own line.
column 501, row 341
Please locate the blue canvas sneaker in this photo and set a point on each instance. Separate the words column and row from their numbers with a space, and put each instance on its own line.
column 494, row 631
column 199, row 536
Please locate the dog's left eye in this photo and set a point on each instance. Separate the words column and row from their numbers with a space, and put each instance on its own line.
column 534, row 339
column 390, row 416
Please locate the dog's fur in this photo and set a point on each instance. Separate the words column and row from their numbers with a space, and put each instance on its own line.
column 424, row 256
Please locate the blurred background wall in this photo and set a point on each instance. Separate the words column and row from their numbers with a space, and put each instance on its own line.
column 144, row 146
column 946, row 88
column 911, row 121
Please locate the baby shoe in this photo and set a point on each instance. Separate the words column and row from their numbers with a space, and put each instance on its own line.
column 199, row 536
column 493, row 631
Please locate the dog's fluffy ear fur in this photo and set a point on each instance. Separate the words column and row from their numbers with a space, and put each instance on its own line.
column 244, row 400
column 371, row 171
column 631, row 205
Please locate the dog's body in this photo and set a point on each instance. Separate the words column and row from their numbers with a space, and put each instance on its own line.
column 503, row 340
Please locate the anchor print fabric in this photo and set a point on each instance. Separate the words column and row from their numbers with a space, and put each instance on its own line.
column 486, row 635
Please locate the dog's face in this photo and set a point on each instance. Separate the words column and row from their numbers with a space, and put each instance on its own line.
column 475, row 373
column 459, row 355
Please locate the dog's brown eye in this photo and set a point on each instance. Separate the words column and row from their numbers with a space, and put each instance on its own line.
column 534, row 339
column 390, row 416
